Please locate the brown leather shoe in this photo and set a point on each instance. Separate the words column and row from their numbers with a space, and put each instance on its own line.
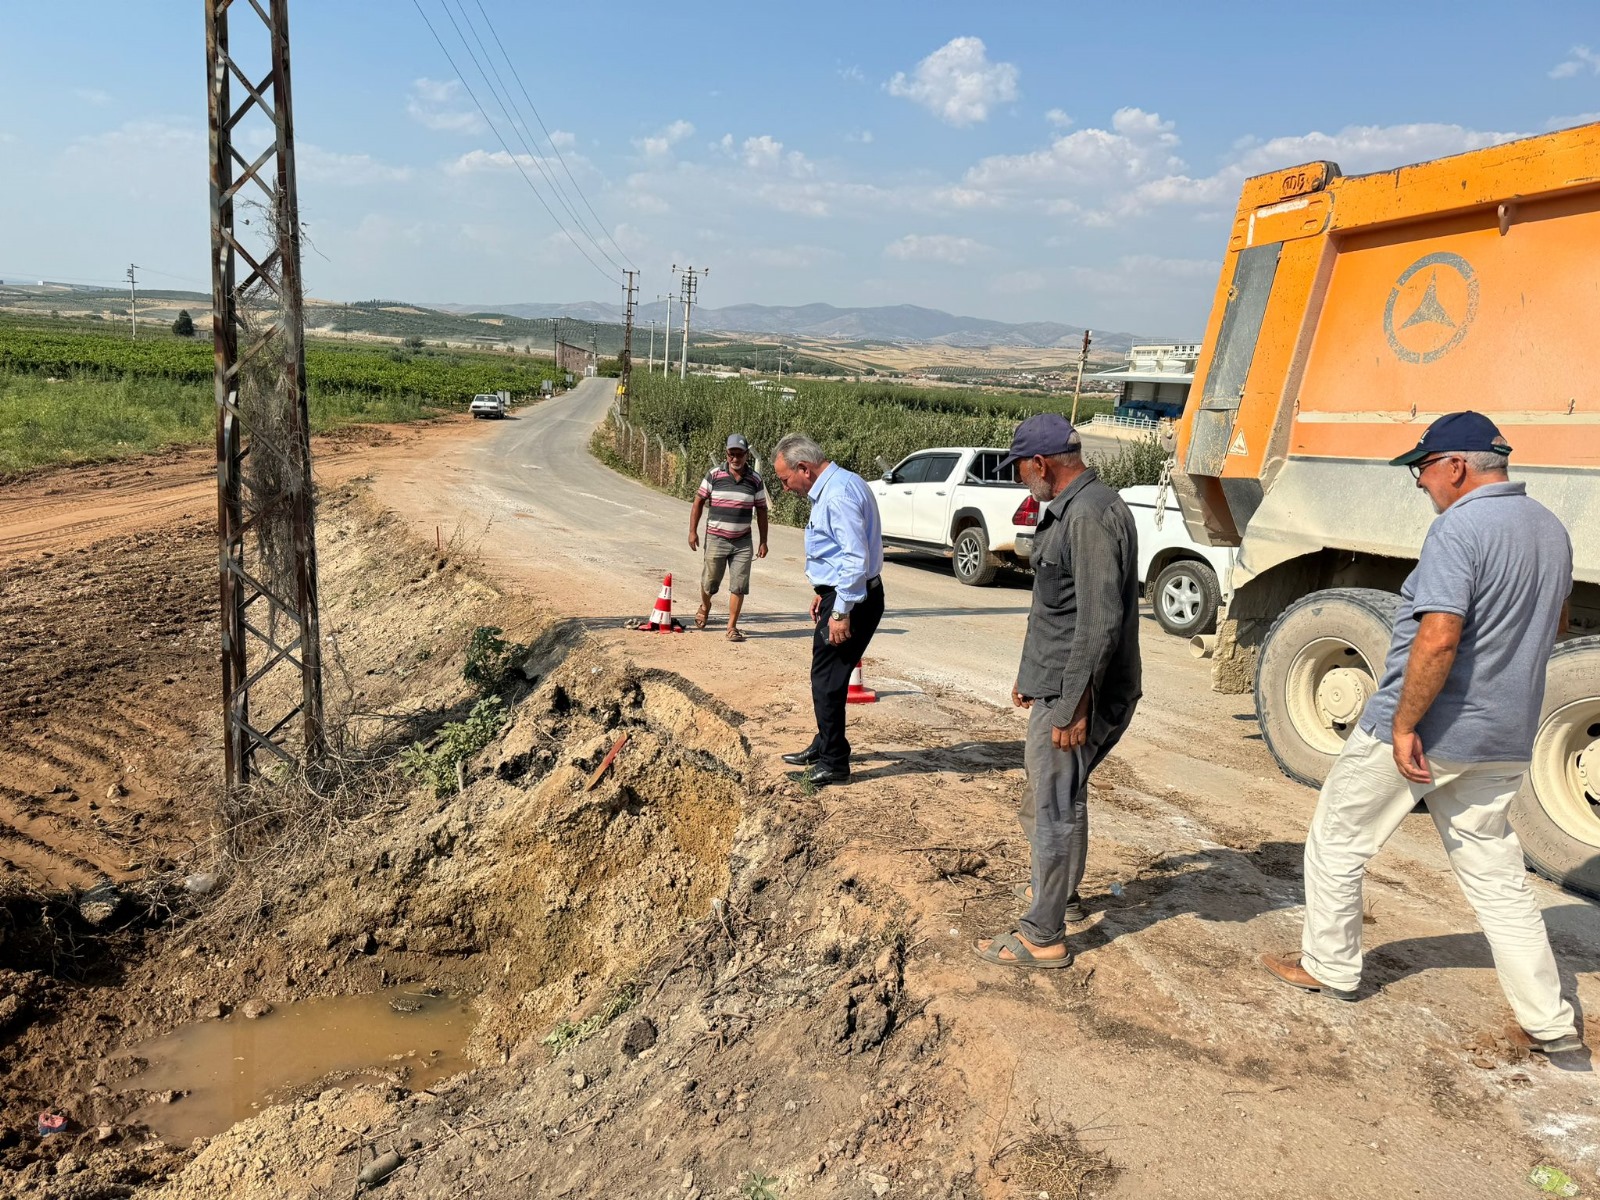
column 1287, row 969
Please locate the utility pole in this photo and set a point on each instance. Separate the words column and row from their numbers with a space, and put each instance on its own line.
column 133, row 299
column 271, row 639
column 627, row 336
column 690, row 287
column 651, row 365
column 1083, row 357
column 555, row 344
column 666, row 353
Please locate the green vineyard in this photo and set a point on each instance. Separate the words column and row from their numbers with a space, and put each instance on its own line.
column 444, row 378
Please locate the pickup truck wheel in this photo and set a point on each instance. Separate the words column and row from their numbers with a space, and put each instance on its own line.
column 1321, row 662
column 970, row 556
column 1185, row 598
column 1557, row 813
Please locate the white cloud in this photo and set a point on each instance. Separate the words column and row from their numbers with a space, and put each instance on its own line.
column 958, row 83
column 763, row 151
column 1059, row 118
column 852, row 74
column 1103, row 177
column 1581, row 59
column 92, row 96
column 1361, row 148
column 1571, row 119
column 563, row 140
column 935, row 247
column 316, row 165
column 437, row 104
column 863, row 138
column 659, row 145
column 1138, row 145
column 474, row 161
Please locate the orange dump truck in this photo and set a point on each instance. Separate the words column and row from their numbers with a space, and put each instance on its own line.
column 1351, row 312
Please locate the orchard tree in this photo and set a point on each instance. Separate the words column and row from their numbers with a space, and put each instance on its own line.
column 184, row 325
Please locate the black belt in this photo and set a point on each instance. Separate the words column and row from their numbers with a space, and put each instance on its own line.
column 875, row 584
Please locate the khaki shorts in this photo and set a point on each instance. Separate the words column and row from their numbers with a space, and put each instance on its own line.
column 733, row 555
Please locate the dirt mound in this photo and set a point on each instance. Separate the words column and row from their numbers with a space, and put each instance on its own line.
column 564, row 889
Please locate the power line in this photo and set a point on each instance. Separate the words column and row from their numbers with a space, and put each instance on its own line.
column 514, row 115
column 515, row 74
column 496, row 88
column 509, row 153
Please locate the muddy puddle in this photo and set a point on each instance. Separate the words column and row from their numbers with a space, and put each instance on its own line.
column 229, row 1069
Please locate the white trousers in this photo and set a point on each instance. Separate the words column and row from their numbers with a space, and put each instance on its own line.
column 1362, row 804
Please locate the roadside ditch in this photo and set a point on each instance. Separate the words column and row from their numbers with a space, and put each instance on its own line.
column 641, row 976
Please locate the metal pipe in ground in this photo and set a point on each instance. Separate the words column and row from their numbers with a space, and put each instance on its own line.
column 1202, row 645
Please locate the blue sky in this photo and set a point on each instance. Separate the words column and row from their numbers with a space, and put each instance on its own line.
column 1022, row 161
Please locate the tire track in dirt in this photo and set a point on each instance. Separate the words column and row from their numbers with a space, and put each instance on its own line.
column 108, row 655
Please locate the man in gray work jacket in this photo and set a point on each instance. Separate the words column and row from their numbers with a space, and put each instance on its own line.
column 1080, row 675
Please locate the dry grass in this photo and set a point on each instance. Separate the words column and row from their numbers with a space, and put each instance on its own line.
column 268, row 835
column 1052, row 1159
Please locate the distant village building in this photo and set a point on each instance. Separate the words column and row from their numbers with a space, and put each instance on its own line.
column 1155, row 382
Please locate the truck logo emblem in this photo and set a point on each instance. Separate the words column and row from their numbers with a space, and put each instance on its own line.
column 1438, row 297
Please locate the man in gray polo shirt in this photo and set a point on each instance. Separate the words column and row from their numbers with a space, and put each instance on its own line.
column 1453, row 725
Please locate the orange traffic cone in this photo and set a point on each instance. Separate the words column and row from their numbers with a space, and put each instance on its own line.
column 660, row 620
column 859, row 692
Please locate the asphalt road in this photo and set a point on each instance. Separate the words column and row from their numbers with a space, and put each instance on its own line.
column 935, row 630
column 545, row 500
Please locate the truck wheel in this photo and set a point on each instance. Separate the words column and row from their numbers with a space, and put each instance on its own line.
column 1185, row 598
column 1557, row 812
column 1321, row 662
column 974, row 565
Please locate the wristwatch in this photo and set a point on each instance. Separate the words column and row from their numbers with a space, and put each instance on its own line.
column 840, row 616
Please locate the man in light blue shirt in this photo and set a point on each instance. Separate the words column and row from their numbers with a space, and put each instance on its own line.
column 844, row 562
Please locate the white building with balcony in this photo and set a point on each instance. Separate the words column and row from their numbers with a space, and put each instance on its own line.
column 1155, row 381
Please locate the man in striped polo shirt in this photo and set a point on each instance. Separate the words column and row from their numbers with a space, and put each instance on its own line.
column 736, row 495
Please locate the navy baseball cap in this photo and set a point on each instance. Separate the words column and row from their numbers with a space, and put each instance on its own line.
column 736, row 442
column 1042, row 433
column 1462, row 432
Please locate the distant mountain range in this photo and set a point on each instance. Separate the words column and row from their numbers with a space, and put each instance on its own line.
column 891, row 323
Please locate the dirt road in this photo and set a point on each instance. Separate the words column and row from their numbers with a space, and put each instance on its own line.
column 1165, row 1046
column 1207, row 1078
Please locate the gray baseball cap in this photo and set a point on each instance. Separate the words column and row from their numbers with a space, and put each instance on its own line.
column 736, row 442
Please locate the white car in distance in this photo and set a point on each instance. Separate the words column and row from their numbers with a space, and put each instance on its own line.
column 488, row 404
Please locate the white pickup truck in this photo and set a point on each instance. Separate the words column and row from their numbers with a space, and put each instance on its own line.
column 1184, row 581
column 954, row 501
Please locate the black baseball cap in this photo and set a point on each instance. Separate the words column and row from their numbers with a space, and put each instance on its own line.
column 1041, row 434
column 1462, row 432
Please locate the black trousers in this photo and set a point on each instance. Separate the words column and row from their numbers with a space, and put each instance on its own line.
column 830, row 674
